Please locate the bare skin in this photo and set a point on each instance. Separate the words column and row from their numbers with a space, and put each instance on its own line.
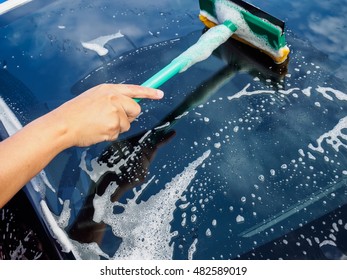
column 99, row 114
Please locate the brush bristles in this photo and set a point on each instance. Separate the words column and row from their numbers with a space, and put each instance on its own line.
column 268, row 38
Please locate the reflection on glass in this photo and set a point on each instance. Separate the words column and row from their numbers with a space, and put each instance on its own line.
column 242, row 159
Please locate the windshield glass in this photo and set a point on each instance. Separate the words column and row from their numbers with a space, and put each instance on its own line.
column 239, row 154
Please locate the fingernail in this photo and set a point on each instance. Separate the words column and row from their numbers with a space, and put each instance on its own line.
column 160, row 93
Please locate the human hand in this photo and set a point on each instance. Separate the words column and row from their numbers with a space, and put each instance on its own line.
column 102, row 113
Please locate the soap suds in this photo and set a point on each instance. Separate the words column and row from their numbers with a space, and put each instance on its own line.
column 149, row 242
column 98, row 44
column 203, row 48
column 226, row 10
column 333, row 137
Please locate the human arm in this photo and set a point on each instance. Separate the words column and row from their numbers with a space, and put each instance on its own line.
column 99, row 114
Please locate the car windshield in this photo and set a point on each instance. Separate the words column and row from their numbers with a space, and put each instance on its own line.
column 241, row 155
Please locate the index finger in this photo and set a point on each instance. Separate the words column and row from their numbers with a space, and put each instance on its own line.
column 137, row 92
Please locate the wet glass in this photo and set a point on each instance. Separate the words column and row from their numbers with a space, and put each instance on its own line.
column 242, row 156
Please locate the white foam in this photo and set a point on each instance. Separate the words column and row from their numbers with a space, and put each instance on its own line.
column 240, row 219
column 57, row 232
column 101, row 205
column 64, row 217
column 332, row 137
column 153, row 240
column 307, row 91
column 182, row 115
column 338, row 94
column 327, row 242
column 217, row 145
column 18, row 252
column 225, row 10
column 289, row 91
column 97, row 169
column 192, row 249
column 310, row 156
column 261, row 178
column 143, row 138
column 244, row 92
column 325, row 91
column 162, row 126
column 47, row 183
column 98, row 44
column 204, row 47
column 335, row 227
column 88, row 251
column 209, row 16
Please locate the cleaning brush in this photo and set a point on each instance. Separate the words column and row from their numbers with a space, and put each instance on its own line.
column 254, row 26
column 226, row 18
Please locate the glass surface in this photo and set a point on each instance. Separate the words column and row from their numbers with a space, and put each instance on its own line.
column 241, row 157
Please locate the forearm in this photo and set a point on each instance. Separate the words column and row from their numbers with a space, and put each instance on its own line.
column 28, row 151
column 99, row 114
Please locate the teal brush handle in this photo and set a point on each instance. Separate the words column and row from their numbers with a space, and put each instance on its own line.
column 164, row 75
column 201, row 50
